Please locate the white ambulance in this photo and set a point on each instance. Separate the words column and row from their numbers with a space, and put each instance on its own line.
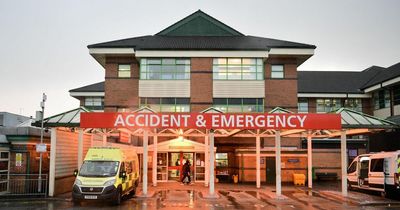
column 375, row 171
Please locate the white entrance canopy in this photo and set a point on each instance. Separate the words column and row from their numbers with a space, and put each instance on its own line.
column 353, row 123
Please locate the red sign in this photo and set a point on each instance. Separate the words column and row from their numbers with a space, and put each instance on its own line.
column 210, row 121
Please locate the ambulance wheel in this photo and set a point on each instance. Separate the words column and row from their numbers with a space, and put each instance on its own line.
column 118, row 197
column 76, row 202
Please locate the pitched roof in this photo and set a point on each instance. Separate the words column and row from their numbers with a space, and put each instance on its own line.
column 96, row 87
column 329, row 82
column 199, row 24
column 200, row 31
column 383, row 75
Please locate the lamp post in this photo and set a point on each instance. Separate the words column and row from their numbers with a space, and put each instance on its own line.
column 44, row 98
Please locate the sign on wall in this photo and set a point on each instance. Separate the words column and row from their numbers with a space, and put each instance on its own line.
column 18, row 159
column 210, row 121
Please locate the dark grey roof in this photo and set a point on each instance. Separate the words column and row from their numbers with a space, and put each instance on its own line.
column 329, row 82
column 97, row 87
column 383, row 75
column 157, row 42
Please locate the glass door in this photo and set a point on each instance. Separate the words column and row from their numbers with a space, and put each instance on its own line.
column 175, row 163
column 162, row 166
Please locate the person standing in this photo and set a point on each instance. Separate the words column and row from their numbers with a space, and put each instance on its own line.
column 186, row 172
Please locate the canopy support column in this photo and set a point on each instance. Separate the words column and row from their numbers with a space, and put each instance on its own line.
column 52, row 167
column 145, row 161
column 211, row 188
column 258, row 175
column 343, row 153
column 104, row 140
column 206, row 161
column 80, row 147
column 309, row 159
column 278, row 163
column 155, row 142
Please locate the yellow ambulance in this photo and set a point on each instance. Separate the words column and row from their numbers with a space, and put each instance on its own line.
column 106, row 174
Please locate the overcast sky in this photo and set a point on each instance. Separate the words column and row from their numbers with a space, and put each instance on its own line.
column 43, row 43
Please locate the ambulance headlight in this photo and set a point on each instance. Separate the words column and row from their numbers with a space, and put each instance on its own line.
column 109, row 182
column 78, row 182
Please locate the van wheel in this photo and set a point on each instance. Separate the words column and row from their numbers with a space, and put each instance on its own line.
column 349, row 185
column 117, row 199
column 383, row 194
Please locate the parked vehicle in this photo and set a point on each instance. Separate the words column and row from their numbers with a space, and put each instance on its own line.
column 106, row 174
column 375, row 171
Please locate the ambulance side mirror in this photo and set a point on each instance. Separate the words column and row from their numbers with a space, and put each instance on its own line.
column 76, row 172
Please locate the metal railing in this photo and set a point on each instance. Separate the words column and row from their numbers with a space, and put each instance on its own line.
column 24, row 185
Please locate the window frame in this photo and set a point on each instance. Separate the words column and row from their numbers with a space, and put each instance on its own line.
column 92, row 106
column 272, row 71
column 259, row 107
column 145, row 71
column 176, row 103
column 120, row 72
column 258, row 66
column 299, row 104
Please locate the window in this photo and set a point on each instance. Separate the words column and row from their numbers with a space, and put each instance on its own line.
column 95, row 103
column 124, row 70
column 396, row 95
column 302, row 105
column 328, row 105
column 239, row 104
column 166, row 104
column 381, row 99
column 353, row 103
column 238, row 69
column 376, row 165
column 1, row 120
column 221, row 159
column 277, row 71
column 164, row 69
column 352, row 168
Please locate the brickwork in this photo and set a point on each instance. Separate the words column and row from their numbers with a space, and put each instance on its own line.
column 281, row 92
column 121, row 92
column 201, row 84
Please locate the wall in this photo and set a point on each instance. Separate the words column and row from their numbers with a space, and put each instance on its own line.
column 274, row 95
column 201, row 84
column 121, row 92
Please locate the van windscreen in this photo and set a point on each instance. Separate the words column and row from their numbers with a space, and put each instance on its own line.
column 99, row 168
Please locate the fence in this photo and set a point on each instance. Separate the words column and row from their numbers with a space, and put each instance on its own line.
column 24, row 185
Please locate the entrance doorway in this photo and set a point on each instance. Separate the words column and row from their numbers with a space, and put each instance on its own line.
column 271, row 170
column 175, row 163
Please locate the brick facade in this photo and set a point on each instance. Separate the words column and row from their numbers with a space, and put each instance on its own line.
column 121, row 92
column 201, row 84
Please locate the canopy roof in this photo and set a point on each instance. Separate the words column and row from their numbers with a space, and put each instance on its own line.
column 354, row 119
column 69, row 118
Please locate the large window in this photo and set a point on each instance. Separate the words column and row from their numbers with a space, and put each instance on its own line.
column 164, row 69
column 277, row 71
column 239, row 104
column 221, row 159
column 381, row 99
column 95, row 103
column 124, row 70
column 353, row 103
column 376, row 165
column 166, row 104
column 238, row 69
column 396, row 95
column 328, row 104
column 302, row 105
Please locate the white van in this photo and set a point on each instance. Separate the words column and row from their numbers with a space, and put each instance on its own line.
column 375, row 171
